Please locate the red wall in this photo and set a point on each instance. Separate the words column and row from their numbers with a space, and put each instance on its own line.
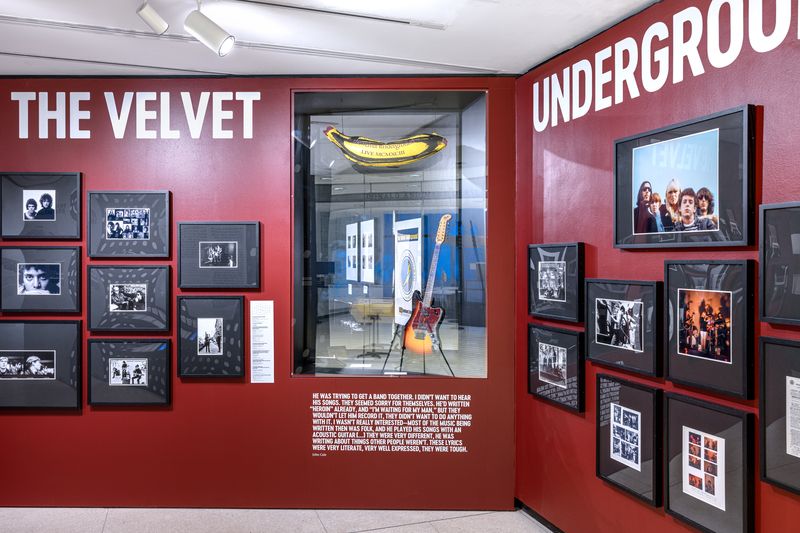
column 229, row 443
column 565, row 193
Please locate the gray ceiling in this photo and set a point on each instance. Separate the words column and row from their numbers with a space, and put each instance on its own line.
column 300, row 37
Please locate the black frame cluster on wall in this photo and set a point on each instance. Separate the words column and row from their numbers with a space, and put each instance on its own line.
column 40, row 360
column 695, row 327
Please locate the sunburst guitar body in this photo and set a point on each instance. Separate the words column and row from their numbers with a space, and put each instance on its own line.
column 421, row 332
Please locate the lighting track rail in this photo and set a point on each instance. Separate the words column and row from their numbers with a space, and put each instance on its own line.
column 351, row 14
column 317, row 52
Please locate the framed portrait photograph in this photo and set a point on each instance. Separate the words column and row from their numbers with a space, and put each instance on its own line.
column 779, row 413
column 555, row 281
column 129, row 223
column 129, row 298
column 709, row 325
column 628, row 442
column 688, row 184
column 555, row 366
column 36, row 279
column 219, row 255
column 623, row 324
column 709, row 464
column 211, row 336
column 779, row 297
column 129, row 372
column 41, row 205
column 40, row 364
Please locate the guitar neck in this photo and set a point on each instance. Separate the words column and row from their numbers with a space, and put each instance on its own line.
column 426, row 301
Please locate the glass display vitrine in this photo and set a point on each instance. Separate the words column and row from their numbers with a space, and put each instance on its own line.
column 390, row 233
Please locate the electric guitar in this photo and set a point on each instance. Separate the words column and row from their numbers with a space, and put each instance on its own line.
column 421, row 332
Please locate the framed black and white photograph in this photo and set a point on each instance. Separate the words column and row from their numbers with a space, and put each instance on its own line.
column 211, row 336
column 41, row 205
column 555, row 366
column 40, row 364
column 36, row 279
column 688, row 184
column 779, row 297
column 709, row 464
column 218, row 255
column 129, row 372
column 629, row 437
column 709, row 325
column 623, row 324
column 555, row 281
column 129, row 223
column 779, row 413
column 129, row 298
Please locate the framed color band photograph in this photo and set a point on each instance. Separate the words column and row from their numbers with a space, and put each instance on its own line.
column 709, row 325
column 686, row 185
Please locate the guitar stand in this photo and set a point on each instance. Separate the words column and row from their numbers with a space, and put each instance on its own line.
column 403, row 352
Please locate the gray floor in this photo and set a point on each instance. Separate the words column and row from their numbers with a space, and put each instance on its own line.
column 253, row 520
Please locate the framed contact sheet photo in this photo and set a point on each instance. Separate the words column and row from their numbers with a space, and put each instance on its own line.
column 687, row 185
column 129, row 223
column 623, row 324
column 555, row 281
column 708, row 325
column 709, row 464
column 628, row 443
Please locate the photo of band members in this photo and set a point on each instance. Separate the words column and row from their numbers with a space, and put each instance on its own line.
column 619, row 323
column 553, row 364
column 676, row 185
column 552, row 281
column 704, row 324
column 25, row 364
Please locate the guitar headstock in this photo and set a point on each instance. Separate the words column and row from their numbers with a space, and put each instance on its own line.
column 440, row 233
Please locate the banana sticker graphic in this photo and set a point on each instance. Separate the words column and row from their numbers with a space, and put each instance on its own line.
column 371, row 153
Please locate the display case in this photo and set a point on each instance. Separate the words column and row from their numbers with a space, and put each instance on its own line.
column 390, row 233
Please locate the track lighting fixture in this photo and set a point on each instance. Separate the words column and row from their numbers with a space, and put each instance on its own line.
column 152, row 18
column 207, row 32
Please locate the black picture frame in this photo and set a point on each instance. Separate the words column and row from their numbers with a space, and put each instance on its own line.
column 726, row 432
column 57, row 345
column 628, row 437
column 720, row 143
column 636, row 345
column 239, row 263
column 145, row 213
column 129, row 372
column 144, row 304
column 779, row 265
column 563, row 264
column 54, row 275
column 17, row 188
column 723, row 363
column 780, row 372
column 223, row 357
column 564, row 388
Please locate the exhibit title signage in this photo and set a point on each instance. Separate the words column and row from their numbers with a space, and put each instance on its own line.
column 616, row 72
column 137, row 114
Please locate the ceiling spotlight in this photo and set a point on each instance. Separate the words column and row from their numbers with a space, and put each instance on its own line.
column 152, row 18
column 207, row 32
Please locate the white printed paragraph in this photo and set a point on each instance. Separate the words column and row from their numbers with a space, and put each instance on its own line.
column 400, row 423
